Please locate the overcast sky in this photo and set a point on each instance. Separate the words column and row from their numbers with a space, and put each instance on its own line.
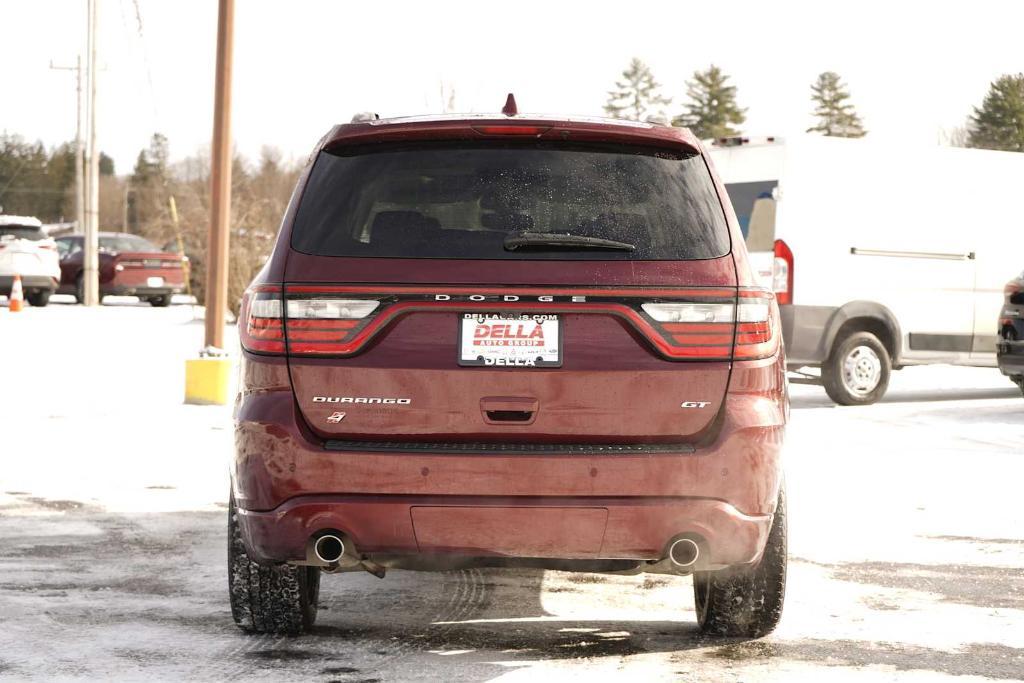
column 300, row 66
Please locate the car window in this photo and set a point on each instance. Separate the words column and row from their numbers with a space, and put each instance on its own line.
column 746, row 199
column 121, row 243
column 461, row 200
column 24, row 232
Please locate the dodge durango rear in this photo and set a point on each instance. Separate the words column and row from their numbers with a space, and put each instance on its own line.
column 509, row 341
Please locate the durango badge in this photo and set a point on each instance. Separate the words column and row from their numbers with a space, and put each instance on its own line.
column 362, row 399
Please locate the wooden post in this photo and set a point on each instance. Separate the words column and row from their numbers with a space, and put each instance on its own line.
column 220, row 180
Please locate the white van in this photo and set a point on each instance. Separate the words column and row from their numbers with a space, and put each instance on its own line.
column 881, row 256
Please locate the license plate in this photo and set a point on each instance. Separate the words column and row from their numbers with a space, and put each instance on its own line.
column 510, row 340
column 154, row 282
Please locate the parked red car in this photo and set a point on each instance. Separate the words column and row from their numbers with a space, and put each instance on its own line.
column 509, row 341
column 129, row 266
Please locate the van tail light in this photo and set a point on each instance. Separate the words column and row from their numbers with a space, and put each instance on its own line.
column 708, row 331
column 782, row 273
column 301, row 324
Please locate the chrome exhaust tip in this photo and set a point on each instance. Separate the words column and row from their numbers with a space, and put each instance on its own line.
column 684, row 553
column 329, row 548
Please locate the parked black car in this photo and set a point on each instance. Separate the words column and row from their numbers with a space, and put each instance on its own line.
column 1010, row 346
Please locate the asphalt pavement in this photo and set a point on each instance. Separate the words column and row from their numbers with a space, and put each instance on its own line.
column 906, row 542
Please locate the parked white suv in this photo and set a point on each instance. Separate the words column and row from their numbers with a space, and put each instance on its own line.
column 26, row 250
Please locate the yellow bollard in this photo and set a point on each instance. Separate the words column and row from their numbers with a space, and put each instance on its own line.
column 207, row 380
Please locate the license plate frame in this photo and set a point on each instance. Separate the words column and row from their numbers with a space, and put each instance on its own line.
column 471, row 354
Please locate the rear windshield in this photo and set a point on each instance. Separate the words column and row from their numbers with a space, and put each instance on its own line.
column 463, row 201
column 21, row 232
column 126, row 243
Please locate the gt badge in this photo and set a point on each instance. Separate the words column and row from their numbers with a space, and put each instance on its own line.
column 336, row 418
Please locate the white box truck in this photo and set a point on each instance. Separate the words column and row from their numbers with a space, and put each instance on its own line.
column 881, row 256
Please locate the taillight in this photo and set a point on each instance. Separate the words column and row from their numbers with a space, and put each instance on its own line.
column 307, row 324
column 782, row 273
column 707, row 331
column 260, row 324
column 332, row 320
column 324, row 325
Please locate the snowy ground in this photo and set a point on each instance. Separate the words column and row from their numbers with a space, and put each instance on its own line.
column 906, row 542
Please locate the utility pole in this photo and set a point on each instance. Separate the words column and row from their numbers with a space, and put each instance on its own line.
column 79, row 151
column 90, row 274
column 220, row 179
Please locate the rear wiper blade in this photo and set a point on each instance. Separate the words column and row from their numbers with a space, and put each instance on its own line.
column 521, row 240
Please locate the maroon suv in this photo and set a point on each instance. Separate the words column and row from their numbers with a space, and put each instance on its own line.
column 509, row 341
column 129, row 265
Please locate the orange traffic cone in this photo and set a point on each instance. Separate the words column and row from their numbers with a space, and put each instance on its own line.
column 17, row 298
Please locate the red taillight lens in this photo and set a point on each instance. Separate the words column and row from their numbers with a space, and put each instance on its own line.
column 782, row 273
column 307, row 324
column 260, row 324
column 319, row 324
column 708, row 330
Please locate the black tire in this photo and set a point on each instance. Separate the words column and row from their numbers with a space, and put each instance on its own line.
column 80, row 289
column 1019, row 381
column 39, row 298
column 278, row 599
column 857, row 371
column 747, row 602
column 162, row 301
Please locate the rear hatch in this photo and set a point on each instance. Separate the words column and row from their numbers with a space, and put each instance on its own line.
column 26, row 250
column 138, row 262
column 506, row 294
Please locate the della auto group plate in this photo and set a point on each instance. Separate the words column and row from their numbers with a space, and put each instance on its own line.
column 510, row 340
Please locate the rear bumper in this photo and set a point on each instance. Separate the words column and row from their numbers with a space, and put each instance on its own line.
column 1010, row 356
column 28, row 282
column 288, row 485
column 804, row 331
column 132, row 290
column 588, row 528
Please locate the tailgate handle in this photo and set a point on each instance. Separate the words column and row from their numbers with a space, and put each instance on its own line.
column 509, row 410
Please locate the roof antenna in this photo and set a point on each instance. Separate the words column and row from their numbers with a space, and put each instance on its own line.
column 510, row 108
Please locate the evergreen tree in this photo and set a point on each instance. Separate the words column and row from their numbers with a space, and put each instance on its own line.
column 636, row 96
column 712, row 111
column 146, row 197
column 999, row 122
column 836, row 115
column 35, row 182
